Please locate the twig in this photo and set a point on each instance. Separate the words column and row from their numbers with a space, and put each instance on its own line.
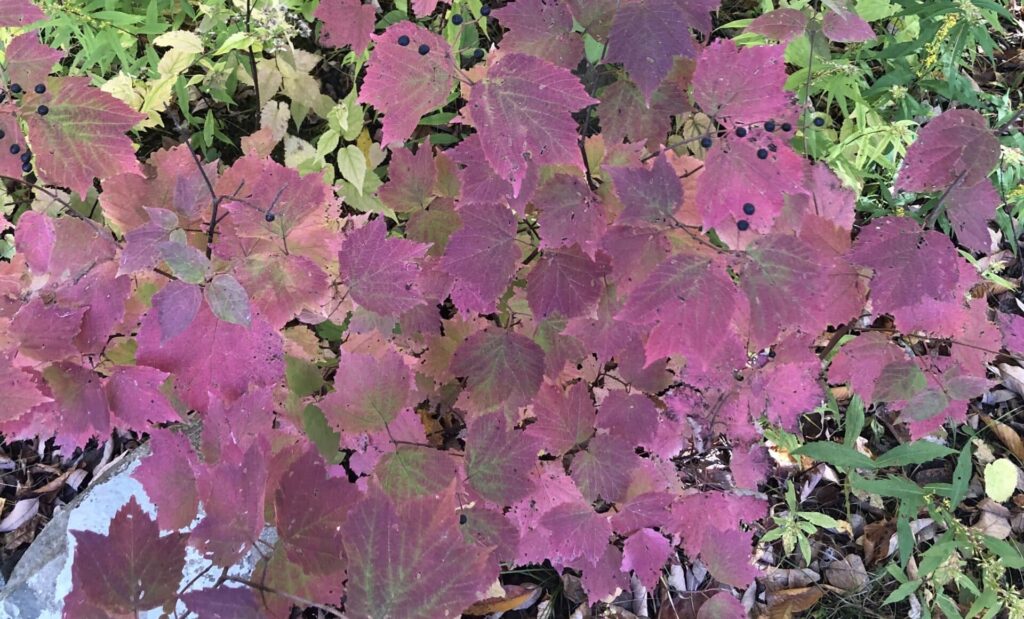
column 1002, row 129
column 294, row 598
column 941, row 206
column 252, row 56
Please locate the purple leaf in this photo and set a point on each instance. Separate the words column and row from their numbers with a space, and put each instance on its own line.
column 224, row 603
column 176, row 306
column 541, row 28
column 647, row 35
column 604, row 468
column 564, row 283
column 411, row 179
column 232, row 493
column 576, row 530
column 502, row 368
column 570, row 213
column 21, row 393
column 135, row 398
column 523, row 113
column 629, row 416
column 19, row 13
column 482, row 256
column 722, row 605
column 650, row 195
column 166, row 475
column 382, row 272
column 956, row 144
column 842, row 25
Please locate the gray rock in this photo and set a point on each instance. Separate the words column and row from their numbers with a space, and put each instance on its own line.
column 42, row 578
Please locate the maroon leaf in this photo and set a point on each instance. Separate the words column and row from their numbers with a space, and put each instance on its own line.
column 29, row 61
column 565, row 419
column 742, row 84
column 135, row 398
column 166, row 475
column 21, row 393
column 604, row 468
column 410, row 180
column 130, row 569
column 541, row 28
column 629, row 416
column 842, row 25
column 565, row 283
column 482, row 256
column 368, row 392
column 650, row 195
column 224, row 603
column 409, row 559
column 645, row 552
column 498, row 459
column 502, row 368
column 19, row 13
column 576, row 530
column 783, row 25
column 232, row 492
column 382, row 273
column 956, row 144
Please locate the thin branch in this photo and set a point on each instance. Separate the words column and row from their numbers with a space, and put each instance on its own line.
column 1004, row 128
column 294, row 598
column 252, row 55
column 673, row 146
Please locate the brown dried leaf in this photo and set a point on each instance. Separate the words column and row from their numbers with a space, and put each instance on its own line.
column 775, row 579
column 1006, row 435
column 784, row 604
column 848, row 574
column 515, row 598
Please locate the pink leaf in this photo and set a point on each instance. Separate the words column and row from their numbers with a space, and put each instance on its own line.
column 382, row 273
column 742, row 84
column 722, row 605
column 955, row 144
column 570, row 213
column 970, row 208
column 411, row 179
column 15, row 13
column 603, row 469
column 82, row 137
column 231, row 358
column 482, row 256
column 424, row 7
column 629, row 416
column 135, row 398
column 79, row 402
column 564, row 283
column 21, row 393
column 232, row 493
column 576, row 530
column 843, row 25
column 783, row 25
column 47, row 332
column 130, row 569
column 645, row 552
column 409, row 559
column 650, row 195
column 176, row 306
column 565, row 419
column 522, row 111
column 368, row 392
column 346, row 22
column 280, row 287
column 29, row 62
column 541, row 28
column 647, row 35
column 224, row 602
column 403, row 84
column 166, row 475
column 498, row 459
column 502, row 368
column 310, row 509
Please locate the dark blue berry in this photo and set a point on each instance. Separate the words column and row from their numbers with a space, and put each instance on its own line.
column 743, row 225
column 3, row 95
column 15, row 149
column 40, row 89
column 769, row 126
column 457, row 20
column 270, row 217
column 485, row 10
column 787, row 127
column 463, row 519
column 25, row 156
column 762, row 153
column 424, row 49
column 771, row 354
column 403, row 40
column 741, row 132
column 478, row 53
column 748, row 208
column 819, row 122
column 705, row 142
column 26, row 167
column 15, row 88
column 2, row 134
column 43, row 110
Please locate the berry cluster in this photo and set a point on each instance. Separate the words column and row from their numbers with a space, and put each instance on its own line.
column 42, row 109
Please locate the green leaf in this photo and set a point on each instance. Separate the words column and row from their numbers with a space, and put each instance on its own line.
column 304, row 378
column 1009, row 553
column 961, row 475
column 917, row 452
column 1000, row 480
column 239, row 40
column 820, row 520
column 854, row 421
column 836, row 454
column 902, row 592
column 895, row 487
column 186, row 262
column 228, row 300
column 352, row 165
column 326, row 440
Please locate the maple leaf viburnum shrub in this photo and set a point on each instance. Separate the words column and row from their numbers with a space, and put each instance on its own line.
column 545, row 317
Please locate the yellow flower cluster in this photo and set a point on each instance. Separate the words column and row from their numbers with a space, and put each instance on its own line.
column 934, row 47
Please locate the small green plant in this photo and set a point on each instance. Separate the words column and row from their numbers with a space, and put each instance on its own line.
column 794, row 527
